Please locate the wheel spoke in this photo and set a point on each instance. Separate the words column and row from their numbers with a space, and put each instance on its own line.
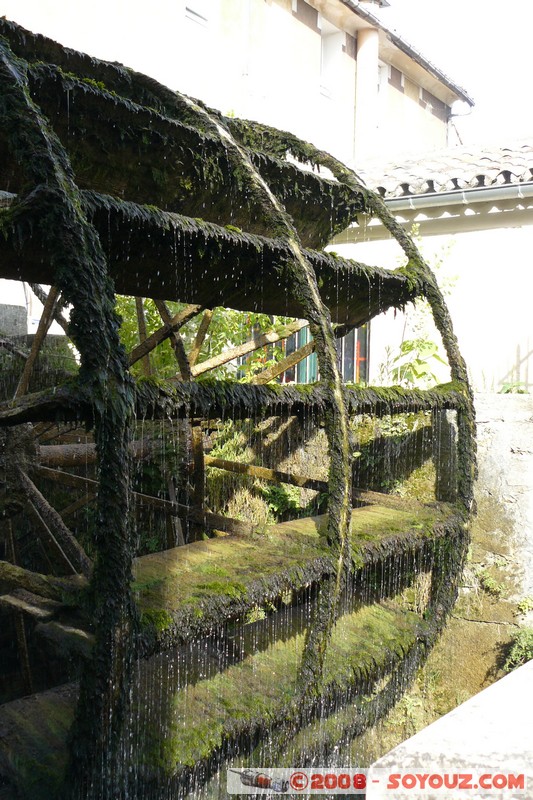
column 42, row 330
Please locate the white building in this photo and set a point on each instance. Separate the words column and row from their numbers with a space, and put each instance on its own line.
column 327, row 70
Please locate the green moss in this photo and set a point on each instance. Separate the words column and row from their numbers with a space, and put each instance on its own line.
column 247, row 572
column 157, row 618
column 262, row 687
column 220, row 588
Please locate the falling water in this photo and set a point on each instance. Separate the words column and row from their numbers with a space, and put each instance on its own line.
column 275, row 645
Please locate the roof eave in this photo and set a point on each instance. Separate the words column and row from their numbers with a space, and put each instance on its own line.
column 409, row 51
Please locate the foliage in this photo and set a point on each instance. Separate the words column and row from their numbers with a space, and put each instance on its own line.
column 281, row 499
column 525, row 605
column 521, row 649
column 228, row 328
column 489, row 584
column 514, row 387
column 412, row 366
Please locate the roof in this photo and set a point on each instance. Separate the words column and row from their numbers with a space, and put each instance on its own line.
column 408, row 50
column 460, row 189
column 464, row 167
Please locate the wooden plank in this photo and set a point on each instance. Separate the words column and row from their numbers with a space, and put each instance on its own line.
column 206, row 518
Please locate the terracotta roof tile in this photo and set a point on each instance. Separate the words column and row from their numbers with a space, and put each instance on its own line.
column 465, row 167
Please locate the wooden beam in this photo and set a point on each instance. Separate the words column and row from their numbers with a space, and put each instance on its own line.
column 51, row 520
column 50, row 542
column 248, row 347
column 143, row 335
column 177, row 322
column 38, row 339
column 14, row 577
column 266, row 474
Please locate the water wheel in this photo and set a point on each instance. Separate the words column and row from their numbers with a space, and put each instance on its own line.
column 233, row 220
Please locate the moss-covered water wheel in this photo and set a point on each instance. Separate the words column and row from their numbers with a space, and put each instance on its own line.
column 111, row 182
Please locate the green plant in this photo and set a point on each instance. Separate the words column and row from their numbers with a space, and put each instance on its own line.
column 228, row 328
column 413, row 365
column 514, row 387
column 525, row 605
column 521, row 649
column 489, row 584
column 281, row 499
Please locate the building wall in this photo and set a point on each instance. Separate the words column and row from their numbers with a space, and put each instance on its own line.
column 411, row 119
column 277, row 61
column 488, row 284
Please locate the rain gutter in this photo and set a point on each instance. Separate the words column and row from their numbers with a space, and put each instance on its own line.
column 409, row 50
column 516, row 210
column 482, row 194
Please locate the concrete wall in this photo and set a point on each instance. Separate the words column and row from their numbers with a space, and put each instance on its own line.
column 489, row 734
column 13, row 320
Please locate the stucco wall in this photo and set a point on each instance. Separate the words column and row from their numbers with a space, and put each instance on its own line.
column 489, row 286
column 254, row 58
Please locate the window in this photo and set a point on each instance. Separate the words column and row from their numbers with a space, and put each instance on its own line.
column 353, row 357
column 332, row 42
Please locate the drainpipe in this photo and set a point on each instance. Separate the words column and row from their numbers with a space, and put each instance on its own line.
column 366, row 93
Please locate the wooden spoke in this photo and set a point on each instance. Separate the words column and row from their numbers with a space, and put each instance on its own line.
column 42, row 330
column 41, row 295
column 52, row 522
column 266, row 474
column 176, row 341
column 143, row 335
column 82, row 453
column 176, row 322
column 248, row 347
column 200, row 337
